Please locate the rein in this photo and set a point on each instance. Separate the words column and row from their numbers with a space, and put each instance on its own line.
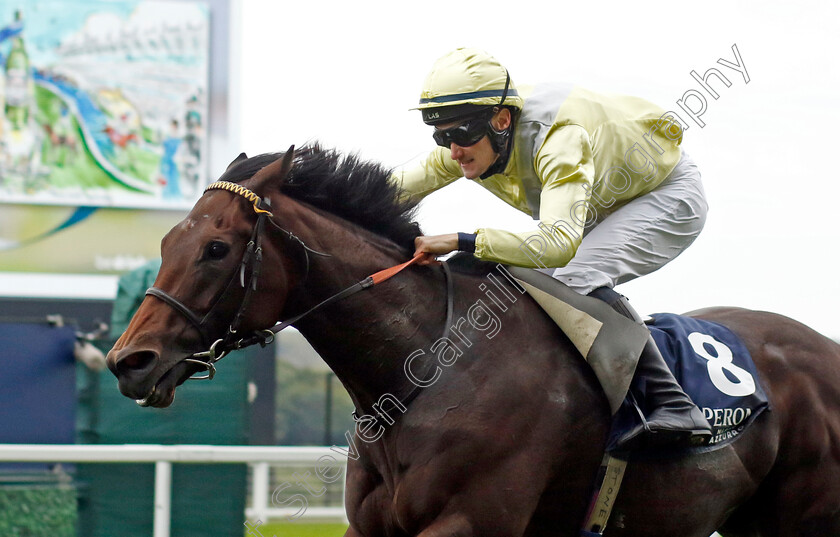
column 253, row 256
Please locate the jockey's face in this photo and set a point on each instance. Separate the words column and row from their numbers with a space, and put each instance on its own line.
column 477, row 158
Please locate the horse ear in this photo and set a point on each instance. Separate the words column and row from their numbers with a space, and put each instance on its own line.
column 275, row 172
column 237, row 160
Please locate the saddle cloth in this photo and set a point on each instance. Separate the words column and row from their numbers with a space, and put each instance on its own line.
column 715, row 369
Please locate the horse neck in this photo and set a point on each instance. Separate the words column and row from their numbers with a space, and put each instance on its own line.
column 366, row 337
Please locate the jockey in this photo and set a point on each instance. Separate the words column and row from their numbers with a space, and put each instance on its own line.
column 615, row 197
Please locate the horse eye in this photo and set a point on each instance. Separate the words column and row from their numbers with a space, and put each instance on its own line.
column 217, row 250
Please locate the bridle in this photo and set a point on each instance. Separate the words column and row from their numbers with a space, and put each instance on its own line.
column 253, row 256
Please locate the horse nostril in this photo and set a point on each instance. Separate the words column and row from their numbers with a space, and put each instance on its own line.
column 136, row 362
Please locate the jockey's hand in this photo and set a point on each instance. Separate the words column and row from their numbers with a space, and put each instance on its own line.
column 434, row 245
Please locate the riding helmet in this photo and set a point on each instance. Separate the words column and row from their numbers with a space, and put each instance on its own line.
column 463, row 83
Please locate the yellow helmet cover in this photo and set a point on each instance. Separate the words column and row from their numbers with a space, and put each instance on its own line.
column 465, row 76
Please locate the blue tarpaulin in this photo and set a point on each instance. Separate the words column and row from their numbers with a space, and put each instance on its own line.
column 37, row 384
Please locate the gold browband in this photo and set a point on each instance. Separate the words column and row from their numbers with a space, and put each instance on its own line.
column 242, row 191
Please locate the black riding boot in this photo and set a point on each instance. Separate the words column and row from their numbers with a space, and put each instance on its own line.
column 672, row 418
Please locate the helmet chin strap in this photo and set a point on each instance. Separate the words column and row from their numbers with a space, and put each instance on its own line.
column 500, row 140
column 502, row 143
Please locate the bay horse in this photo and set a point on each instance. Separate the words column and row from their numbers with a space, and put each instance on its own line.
column 508, row 438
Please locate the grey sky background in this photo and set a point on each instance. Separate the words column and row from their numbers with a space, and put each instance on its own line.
column 346, row 73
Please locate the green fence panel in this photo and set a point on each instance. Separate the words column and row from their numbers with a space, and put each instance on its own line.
column 116, row 500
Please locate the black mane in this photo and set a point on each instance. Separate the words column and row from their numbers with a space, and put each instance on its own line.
column 345, row 186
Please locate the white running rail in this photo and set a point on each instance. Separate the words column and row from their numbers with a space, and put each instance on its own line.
column 260, row 458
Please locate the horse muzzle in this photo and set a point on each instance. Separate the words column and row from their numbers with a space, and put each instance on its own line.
column 143, row 376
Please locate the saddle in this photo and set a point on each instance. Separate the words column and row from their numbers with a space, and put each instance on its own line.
column 609, row 342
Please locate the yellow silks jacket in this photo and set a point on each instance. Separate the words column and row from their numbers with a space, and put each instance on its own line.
column 577, row 156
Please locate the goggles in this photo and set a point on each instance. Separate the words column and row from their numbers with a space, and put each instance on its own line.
column 466, row 134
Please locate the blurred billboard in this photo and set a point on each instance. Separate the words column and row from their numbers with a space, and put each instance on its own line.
column 109, row 112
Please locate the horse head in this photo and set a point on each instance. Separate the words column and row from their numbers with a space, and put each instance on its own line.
column 208, row 279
